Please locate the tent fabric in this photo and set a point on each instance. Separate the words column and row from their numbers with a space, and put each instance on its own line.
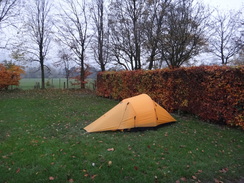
column 138, row 111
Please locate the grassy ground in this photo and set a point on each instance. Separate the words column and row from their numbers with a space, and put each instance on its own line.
column 42, row 140
column 58, row 83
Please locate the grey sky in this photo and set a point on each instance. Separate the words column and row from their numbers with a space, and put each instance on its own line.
column 225, row 4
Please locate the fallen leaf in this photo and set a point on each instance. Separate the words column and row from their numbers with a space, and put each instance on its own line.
column 166, row 134
column 110, row 149
column 224, row 170
column 18, row 170
column 51, row 178
column 135, row 167
column 86, row 175
column 109, row 163
column 183, row 179
column 194, row 177
column 71, row 180
column 217, row 181
column 93, row 177
column 156, row 179
column 199, row 171
column 177, row 181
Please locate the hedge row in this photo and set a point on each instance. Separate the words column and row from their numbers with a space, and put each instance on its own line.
column 214, row 93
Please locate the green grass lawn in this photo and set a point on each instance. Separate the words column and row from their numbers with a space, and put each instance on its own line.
column 30, row 83
column 58, row 83
column 42, row 140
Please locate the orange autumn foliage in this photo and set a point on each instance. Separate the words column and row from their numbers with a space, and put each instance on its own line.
column 10, row 75
column 78, row 79
column 214, row 93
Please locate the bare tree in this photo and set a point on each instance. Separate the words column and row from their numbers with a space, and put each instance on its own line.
column 65, row 59
column 73, row 31
column 101, row 37
column 125, row 23
column 7, row 9
column 227, row 38
column 183, row 35
column 39, row 25
column 153, row 25
column 34, row 37
column 148, row 33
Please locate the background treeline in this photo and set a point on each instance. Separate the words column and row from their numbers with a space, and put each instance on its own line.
column 53, row 72
column 119, row 34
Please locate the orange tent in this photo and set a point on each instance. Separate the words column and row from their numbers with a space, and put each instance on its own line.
column 138, row 111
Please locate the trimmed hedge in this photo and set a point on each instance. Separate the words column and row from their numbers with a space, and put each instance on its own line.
column 214, row 93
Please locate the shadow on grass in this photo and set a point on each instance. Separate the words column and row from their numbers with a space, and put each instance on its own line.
column 155, row 128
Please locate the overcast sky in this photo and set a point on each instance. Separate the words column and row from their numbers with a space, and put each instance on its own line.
column 225, row 4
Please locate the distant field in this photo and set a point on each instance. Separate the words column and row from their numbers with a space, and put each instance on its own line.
column 59, row 83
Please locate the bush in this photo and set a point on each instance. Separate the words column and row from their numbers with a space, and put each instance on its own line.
column 10, row 75
column 214, row 93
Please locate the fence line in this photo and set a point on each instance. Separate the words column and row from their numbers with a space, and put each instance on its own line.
column 58, row 83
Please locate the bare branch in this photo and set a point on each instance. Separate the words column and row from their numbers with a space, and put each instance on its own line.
column 7, row 9
column 226, row 36
column 73, row 31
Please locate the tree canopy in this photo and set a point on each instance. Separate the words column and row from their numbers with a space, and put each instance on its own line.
column 121, row 34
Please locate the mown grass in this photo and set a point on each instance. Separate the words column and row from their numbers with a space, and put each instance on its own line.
column 31, row 83
column 42, row 140
column 57, row 83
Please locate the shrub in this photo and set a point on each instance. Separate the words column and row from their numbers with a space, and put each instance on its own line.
column 9, row 75
column 214, row 93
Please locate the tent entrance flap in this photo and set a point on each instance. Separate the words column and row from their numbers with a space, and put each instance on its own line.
column 129, row 116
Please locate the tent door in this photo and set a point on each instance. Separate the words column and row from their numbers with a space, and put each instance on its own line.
column 129, row 117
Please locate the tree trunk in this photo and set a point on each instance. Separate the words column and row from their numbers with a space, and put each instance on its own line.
column 153, row 53
column 82, row 72
column 42, row 76
column 103, row 67
column 67, row 80
column 82, row 78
